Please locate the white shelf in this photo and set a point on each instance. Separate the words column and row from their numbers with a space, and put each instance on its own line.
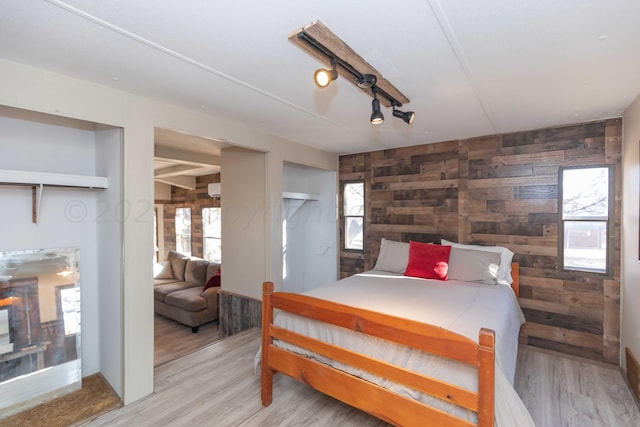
column 38, row 180
column 299, row 196
column 8, row 176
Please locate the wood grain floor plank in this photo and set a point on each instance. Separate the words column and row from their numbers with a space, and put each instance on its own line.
column 173, row 339
column 217, row 386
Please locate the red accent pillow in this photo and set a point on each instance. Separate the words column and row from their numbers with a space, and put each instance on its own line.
column 214, row 280
column 428, row 261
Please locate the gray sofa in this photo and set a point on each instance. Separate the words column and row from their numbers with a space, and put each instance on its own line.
column 180, row 294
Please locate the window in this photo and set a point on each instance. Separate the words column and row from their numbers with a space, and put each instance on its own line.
column 183, row 231
column 585, row 209
column 211, row 234
column 353, row 196
column 69, row 300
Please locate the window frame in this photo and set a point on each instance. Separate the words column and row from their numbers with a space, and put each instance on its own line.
column 190, row 229
column 346, row 217
column 205, row 236
column 609, row 256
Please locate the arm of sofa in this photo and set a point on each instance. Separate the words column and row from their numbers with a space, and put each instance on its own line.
column 211, row 295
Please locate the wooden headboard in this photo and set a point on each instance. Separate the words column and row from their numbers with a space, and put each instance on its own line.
column 515, row 274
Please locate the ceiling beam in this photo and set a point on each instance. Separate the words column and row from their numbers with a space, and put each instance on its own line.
column 175, row 155
column 174, row 170
column 183, row 181
column 332, row 43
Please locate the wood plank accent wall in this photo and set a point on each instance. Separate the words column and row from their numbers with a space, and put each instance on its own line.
column 501, row 190
column 238, row 313
column 194, row 199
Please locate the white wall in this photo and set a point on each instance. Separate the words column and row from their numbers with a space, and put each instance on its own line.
column 67, row 97
column 36, row 142
column 311, row 231
column 244, row 221
column 630, row 283
column 109, row 243
column 161, row 191
column 287, row 153
column 71, row 98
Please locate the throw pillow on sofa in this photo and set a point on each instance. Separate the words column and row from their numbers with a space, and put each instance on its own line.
column 178, row 264
column 214, row 281
column 196, row 271
column 162, row 270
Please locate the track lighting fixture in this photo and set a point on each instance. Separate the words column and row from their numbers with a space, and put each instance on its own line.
column 324, row 77
column 407, row 116
column 366, row 81
column 376, row 115
column 321, row 43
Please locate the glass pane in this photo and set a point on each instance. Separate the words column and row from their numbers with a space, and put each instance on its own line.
column 183, row 220
column 211, row 224
column 585, row 246
column 213, row 249
column 183, row 231
column 183, row 244
column 70, row 301
column 353, row 233
column 354, row 199
column 585, row 193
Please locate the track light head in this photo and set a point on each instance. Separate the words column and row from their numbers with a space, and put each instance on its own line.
column 366, row 81
column 407, row 116
column 376, row 115
column 324, row 77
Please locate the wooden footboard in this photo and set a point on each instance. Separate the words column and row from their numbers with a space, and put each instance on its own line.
column 380, row 402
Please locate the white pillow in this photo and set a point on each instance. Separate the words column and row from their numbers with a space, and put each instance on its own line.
column 506, row 256
column 393, row 257
column 162, row 270
column 469, row 265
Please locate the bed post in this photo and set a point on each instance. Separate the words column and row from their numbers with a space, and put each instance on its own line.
column 486, row 379
column 266, row 376
column 515, row 275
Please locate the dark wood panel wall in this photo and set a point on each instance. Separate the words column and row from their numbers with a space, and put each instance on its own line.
column 194, row 199
column 501, row 190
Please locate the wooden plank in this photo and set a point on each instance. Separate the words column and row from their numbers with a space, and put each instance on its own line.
column 565, row 336
column 440, row 389
column 420, row 185
column 526, row 181
column 633, row 372
column 325, row 37
column 369, row 397
column 421, row 336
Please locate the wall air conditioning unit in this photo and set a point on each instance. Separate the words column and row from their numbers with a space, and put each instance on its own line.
column 214, row 189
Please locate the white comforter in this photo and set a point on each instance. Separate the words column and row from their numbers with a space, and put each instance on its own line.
column 462, row 307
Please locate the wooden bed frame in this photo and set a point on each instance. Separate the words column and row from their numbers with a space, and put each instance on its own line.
column 369, row 397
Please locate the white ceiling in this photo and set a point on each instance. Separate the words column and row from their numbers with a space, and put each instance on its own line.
column 470, row 68
column 179, row 158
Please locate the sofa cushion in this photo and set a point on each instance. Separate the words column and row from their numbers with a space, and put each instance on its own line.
column 157, row 282
column 187, row 299
column 196, row 271
column 178, row 264
column 160, row 292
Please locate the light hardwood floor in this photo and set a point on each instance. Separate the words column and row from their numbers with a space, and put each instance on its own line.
column 217, row 386
column 173, row 340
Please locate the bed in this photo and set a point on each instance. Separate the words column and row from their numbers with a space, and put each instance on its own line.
column 408, row 350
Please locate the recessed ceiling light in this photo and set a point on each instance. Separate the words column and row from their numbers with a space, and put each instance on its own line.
column 602, row 37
